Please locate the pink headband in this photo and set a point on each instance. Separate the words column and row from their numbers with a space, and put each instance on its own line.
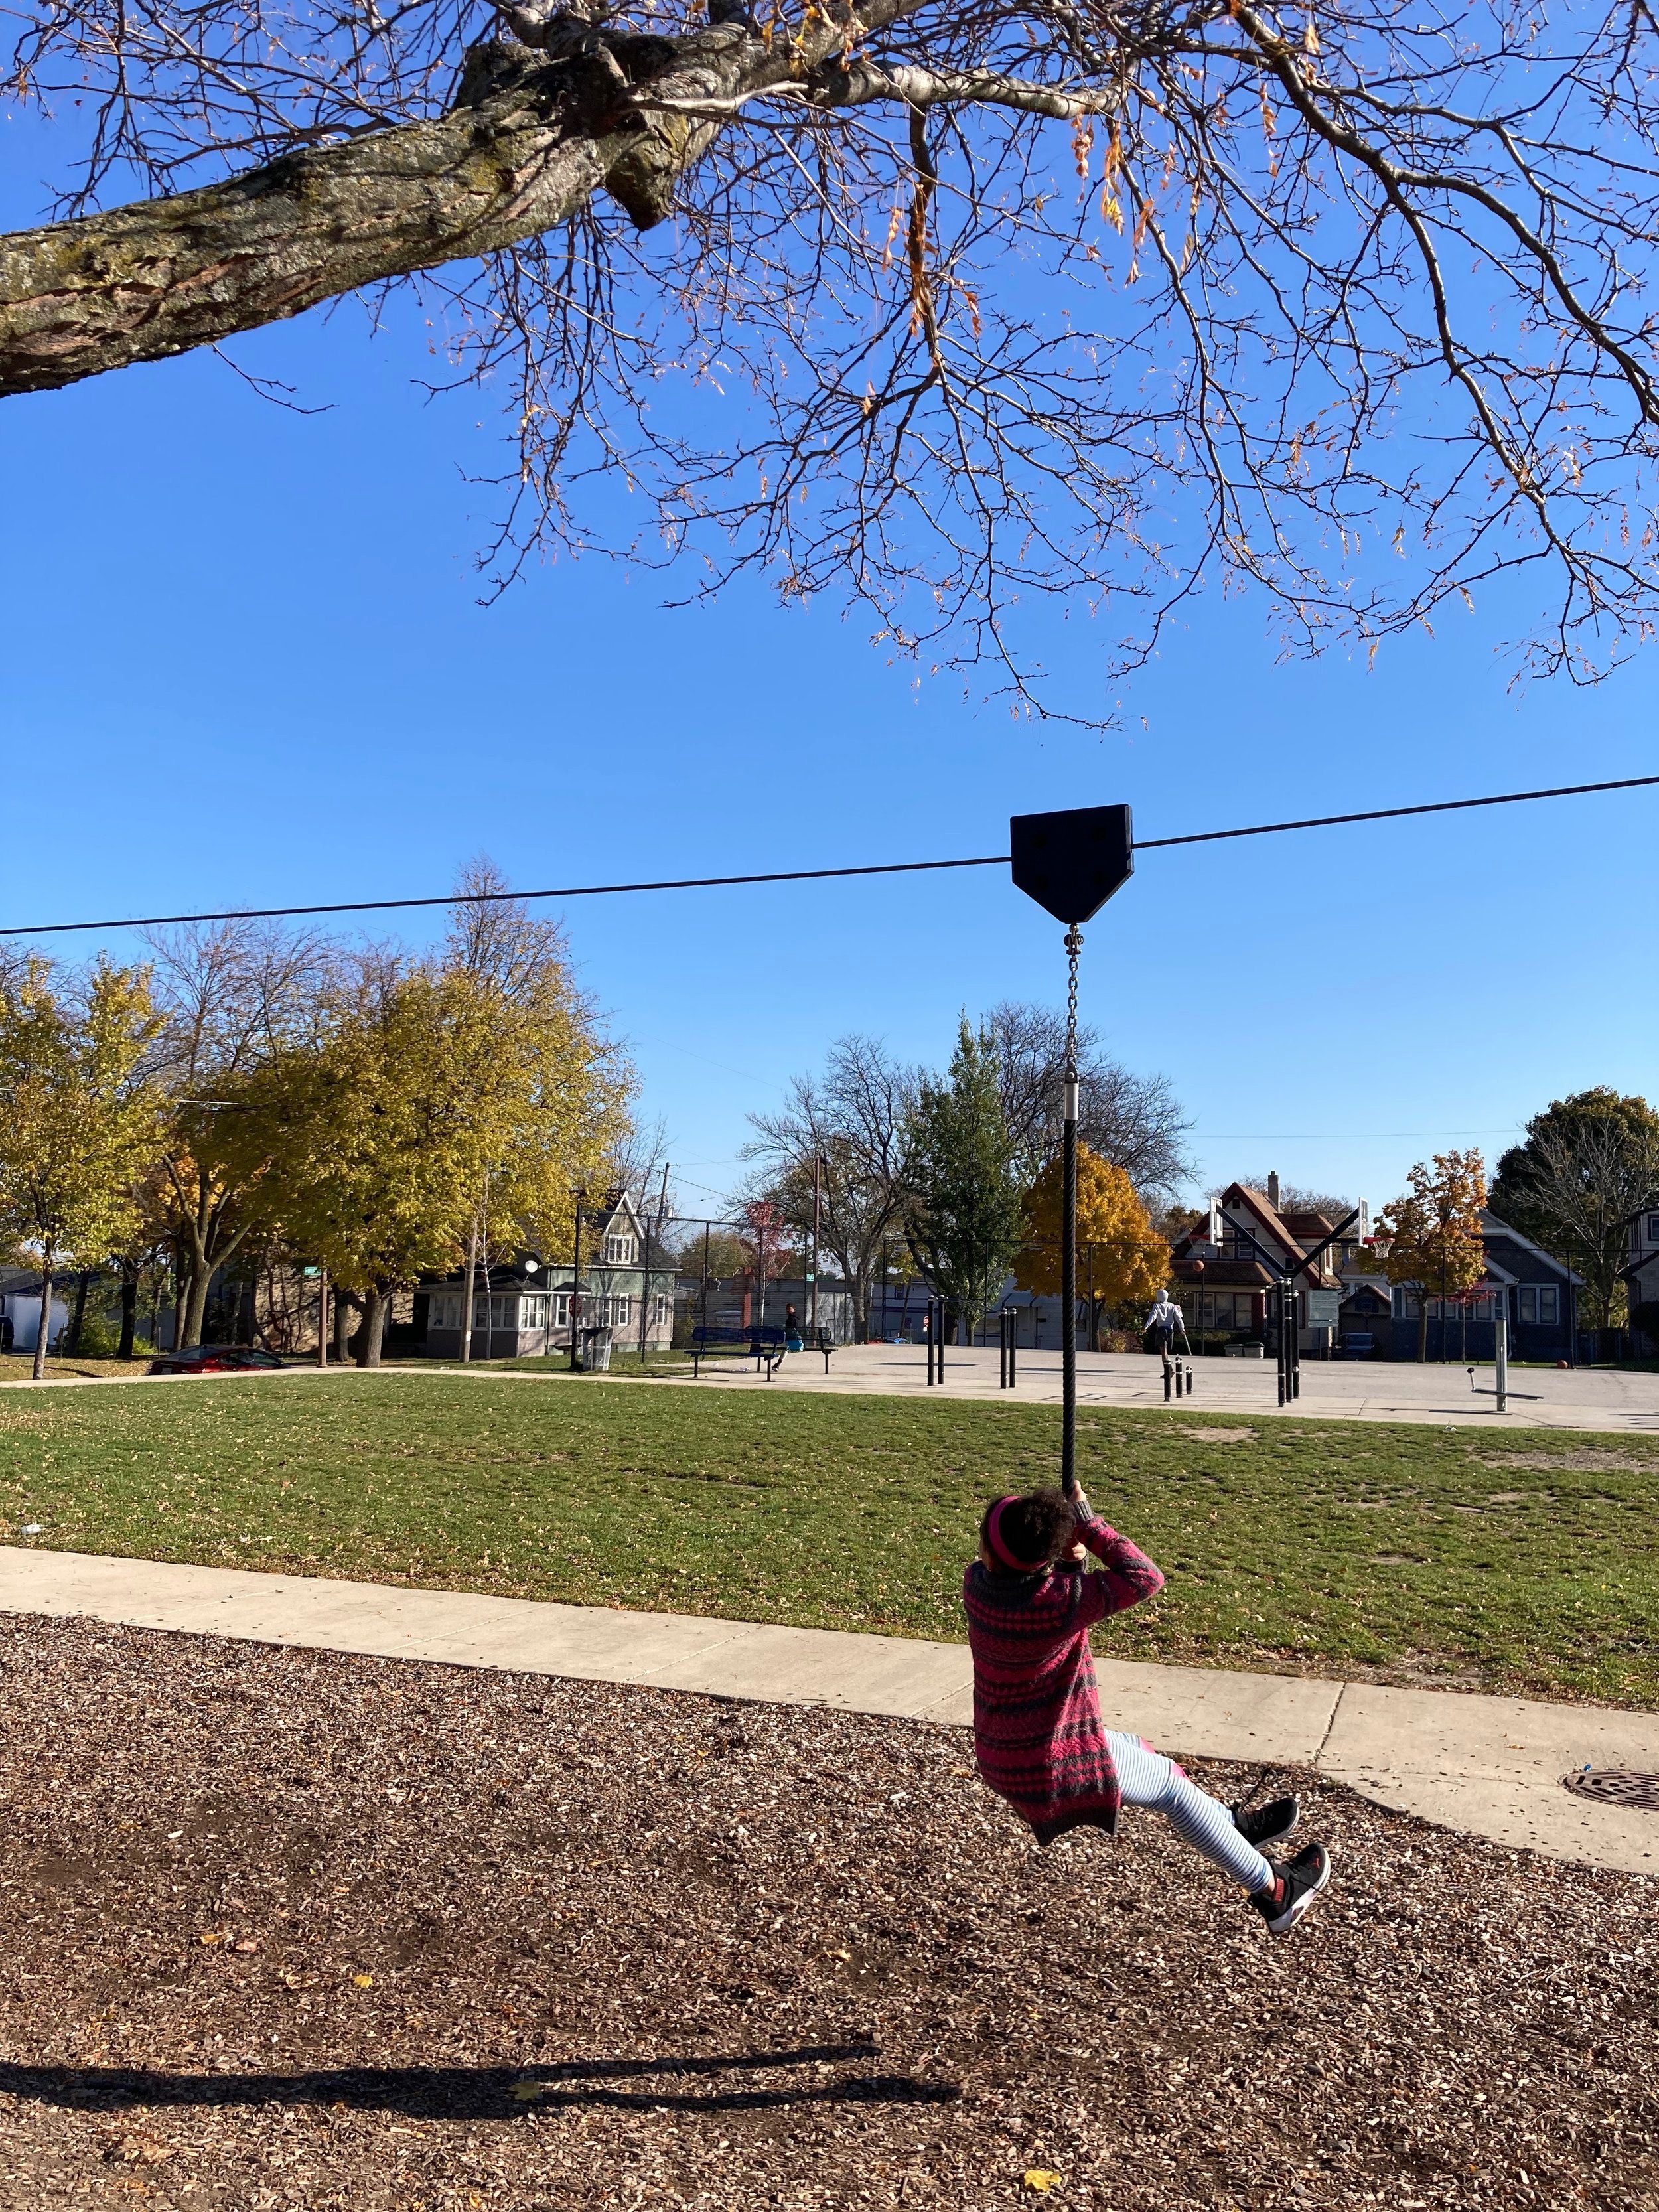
column 994, row 1538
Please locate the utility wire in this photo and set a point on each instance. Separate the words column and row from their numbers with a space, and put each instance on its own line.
column 797, row 875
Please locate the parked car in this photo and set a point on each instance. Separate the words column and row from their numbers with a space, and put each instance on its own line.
column 212, row 1359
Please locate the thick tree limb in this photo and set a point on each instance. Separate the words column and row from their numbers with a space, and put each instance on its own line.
column 531, row 137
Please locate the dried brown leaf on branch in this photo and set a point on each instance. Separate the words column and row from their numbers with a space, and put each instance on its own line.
column 943, row 310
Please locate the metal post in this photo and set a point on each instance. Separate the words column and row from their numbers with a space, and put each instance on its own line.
column 813, row 1282
column 322, row 1316
column 1068, row 1231
column 1168, row 1372
column 1014, row 1346
column 707, row 1228
column 1500, row 1309
column 644, row 1285
column 1296, row 1346
column 575, row 1278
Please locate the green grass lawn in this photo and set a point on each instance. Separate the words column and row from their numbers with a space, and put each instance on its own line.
column 1421, row 1554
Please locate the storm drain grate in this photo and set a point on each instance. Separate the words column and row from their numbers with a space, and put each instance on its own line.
column 1616, row 1785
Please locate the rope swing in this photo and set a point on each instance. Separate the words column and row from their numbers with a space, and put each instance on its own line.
column 1071, row 863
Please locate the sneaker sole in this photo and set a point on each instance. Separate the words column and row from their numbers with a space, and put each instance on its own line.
column 1286, row 1921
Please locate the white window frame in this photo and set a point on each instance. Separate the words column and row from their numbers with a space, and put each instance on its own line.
column 1533, row 1295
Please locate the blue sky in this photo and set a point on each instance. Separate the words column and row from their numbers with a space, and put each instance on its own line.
column 246, row 665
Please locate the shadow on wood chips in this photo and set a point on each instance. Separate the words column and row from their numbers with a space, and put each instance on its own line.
column 476, row 2093
column 290, row 1931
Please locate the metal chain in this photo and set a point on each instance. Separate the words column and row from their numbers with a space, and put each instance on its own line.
column 1074, row 946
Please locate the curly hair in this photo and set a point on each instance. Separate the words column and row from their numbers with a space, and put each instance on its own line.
column 1035, row 1528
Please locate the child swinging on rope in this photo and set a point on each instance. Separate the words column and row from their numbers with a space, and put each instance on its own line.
column 1038, row 1731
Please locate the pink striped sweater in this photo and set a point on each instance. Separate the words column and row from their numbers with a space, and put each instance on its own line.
column 1038, row 1731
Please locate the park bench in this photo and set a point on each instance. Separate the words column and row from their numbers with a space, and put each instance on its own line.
column 760, row 1344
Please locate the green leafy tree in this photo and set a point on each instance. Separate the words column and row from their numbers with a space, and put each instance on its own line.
column 77, row 1120
column 962, row 1172
column 1589, row 1162
column 1432, row 1237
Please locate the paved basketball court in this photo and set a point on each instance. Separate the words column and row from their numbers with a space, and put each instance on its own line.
column 1348, row 1390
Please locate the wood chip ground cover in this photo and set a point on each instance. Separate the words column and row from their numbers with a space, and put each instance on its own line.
column 1391, row 1552
column 282, row 1931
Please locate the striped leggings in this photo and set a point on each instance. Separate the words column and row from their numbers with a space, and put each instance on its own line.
column 1147, row 1779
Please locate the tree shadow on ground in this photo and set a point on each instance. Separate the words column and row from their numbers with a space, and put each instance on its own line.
column 482, row 2093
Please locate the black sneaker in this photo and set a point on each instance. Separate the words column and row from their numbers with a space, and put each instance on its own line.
column 1296, row 1885
column 1268, row 1824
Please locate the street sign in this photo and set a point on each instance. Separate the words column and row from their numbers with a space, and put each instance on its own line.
column 1072, row 862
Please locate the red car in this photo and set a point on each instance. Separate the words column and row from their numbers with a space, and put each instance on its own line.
column 212, row 1359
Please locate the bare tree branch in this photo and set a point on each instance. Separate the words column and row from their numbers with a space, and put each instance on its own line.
column 1345, row 304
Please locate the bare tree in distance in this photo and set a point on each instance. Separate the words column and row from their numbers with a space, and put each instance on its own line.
column 944, row 310
column 1296, row 1197
column 495, row 936
column 637, row 1163
column 853, row 1118
column 232, row 995
column 1132, row 1121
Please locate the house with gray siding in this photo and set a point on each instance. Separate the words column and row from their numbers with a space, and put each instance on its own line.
column 532, row 1305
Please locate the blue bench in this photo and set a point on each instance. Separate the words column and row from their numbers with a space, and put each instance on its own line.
column 763, row 1345
column 767, row 1346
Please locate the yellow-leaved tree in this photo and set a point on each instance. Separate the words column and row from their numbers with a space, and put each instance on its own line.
column 1431, row 1238
column 77, row 1120
column 1120, row 1256
column 429, row 1099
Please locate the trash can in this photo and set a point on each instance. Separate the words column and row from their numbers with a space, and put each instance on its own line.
column 596, row 1351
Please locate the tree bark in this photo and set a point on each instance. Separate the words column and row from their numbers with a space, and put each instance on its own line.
column 129, row 1307
column 471, row 1278
column 195, row 1304
column 531, row 137
column 372, row 1335
column 45, row 1329
column 80, row 1321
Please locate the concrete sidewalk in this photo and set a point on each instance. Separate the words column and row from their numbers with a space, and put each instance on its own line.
column 1491, row 1766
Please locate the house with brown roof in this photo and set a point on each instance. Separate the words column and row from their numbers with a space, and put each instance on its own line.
column 1227, row 1268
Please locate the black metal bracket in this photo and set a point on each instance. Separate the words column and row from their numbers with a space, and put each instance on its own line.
column 1072, row 862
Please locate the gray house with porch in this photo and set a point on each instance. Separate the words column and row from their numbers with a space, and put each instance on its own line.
column 533, row 1304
